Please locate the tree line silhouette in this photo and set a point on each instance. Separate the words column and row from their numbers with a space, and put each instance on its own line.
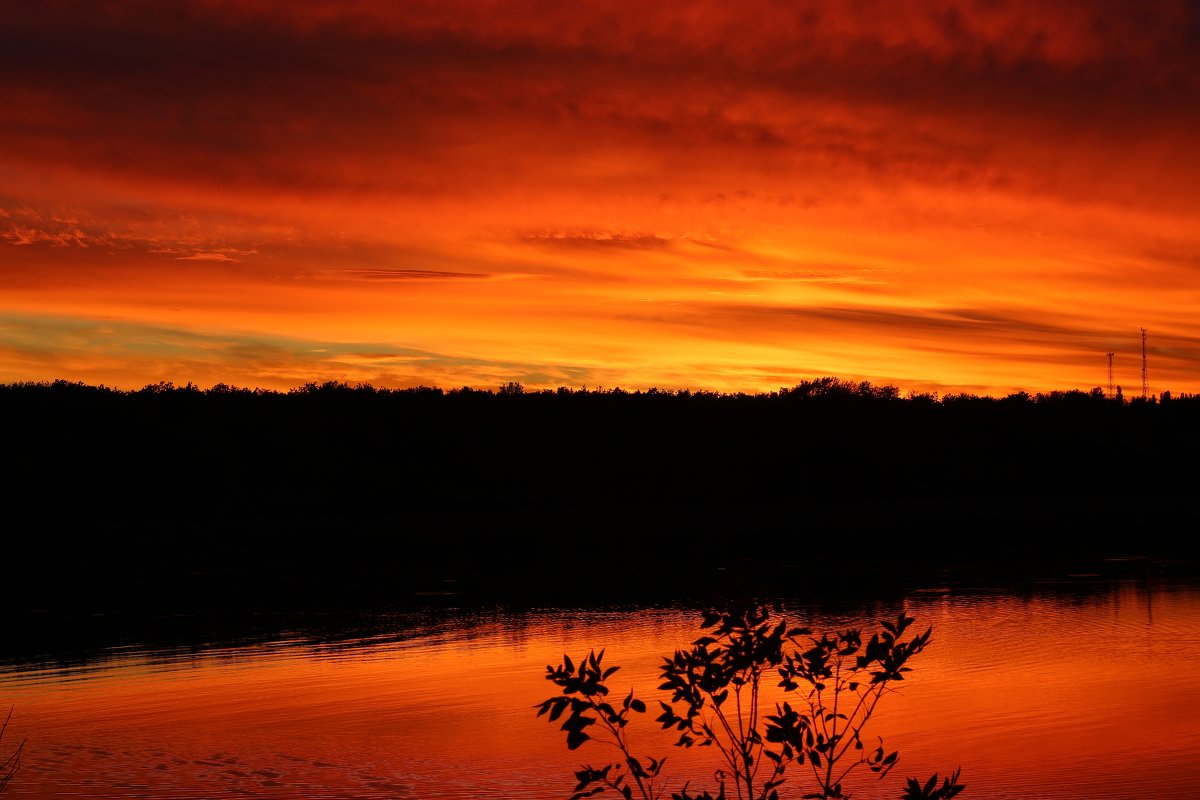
column 330, row 487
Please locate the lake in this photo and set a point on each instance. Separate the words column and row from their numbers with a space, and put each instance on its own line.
column 1081, row 688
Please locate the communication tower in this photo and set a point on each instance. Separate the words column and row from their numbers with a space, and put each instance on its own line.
column 1145, row 379
column 1110, row 376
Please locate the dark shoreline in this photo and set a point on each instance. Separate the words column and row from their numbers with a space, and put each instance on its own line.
column 175, row 500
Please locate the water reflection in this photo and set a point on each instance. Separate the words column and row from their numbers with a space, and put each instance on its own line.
column 1076, row 690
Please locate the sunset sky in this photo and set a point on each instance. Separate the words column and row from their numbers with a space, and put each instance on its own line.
column 943, row 196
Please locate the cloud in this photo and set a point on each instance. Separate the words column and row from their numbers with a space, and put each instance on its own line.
column 597, row 240
column 23, row 236
column 831, row 274
column 452, row 100
column 127, row 355
column 133, row 234
column 963, row 326
column 207, row 257
column 404, row 275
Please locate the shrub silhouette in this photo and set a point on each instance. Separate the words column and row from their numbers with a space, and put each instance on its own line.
column 10, row 764
column 714, row 686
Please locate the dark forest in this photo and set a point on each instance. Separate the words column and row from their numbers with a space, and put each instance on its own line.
column 328, row 494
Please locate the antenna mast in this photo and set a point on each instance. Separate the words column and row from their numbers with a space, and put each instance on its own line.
column 1145, row 380
column 1110, row 376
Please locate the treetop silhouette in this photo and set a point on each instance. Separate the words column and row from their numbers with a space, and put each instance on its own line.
column 812, row 743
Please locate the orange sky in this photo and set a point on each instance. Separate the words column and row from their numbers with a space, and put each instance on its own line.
column 952, row 196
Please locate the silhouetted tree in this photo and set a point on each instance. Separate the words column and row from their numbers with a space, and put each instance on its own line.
column 714, row 688
column 11, row 763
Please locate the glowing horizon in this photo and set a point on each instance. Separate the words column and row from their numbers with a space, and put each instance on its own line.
column 969, row 196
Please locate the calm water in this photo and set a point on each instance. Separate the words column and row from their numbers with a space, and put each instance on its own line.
column 1087, row 694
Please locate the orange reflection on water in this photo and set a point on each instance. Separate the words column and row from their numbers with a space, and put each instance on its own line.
column 1081, row 696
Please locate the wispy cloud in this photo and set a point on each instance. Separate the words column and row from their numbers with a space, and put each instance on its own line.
column 832, row 274
column 404, row 275
column 597, row 240
column 207, row 257
column 24, row 236
column 127, row 354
